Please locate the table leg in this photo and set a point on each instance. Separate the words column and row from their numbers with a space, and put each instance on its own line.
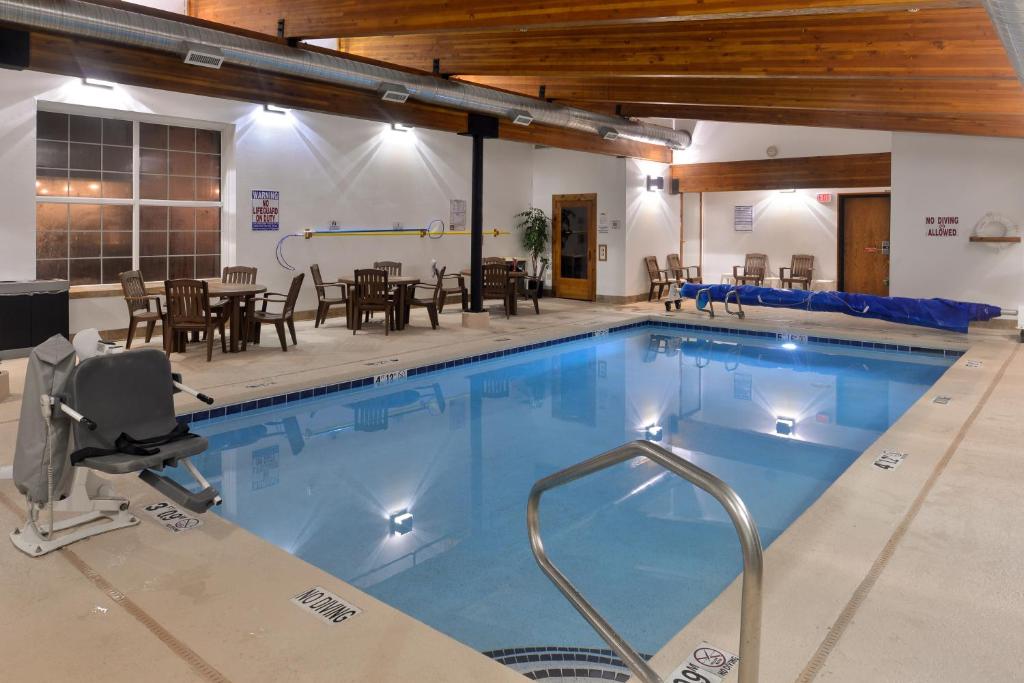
column 235, row 324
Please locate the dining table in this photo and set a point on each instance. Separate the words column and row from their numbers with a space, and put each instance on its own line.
column 402, row 285
column 234, row 296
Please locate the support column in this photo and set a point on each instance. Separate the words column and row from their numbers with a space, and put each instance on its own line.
column 480, row 128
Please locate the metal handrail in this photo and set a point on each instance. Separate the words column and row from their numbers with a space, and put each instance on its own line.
column 750, row 540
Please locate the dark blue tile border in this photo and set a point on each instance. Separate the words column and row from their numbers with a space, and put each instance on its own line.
column 269, row 401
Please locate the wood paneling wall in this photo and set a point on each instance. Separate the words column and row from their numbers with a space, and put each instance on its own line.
column 844, row 171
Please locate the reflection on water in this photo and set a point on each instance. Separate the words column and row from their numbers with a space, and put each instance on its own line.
column 459, row 450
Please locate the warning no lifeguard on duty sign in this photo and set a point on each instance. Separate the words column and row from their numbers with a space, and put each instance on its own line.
column 706, row 664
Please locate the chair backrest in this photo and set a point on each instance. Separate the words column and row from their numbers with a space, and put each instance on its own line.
column 802, row 265
column 134, row 289
column 496, row 280
column 318, row 281
column 393, row 268
column 129, row 392
column 293, row 295
column 653, row 272
column 372, row 285
column 755, row 265
column 675, row 265
column 188, row 302
column 440, row 283
column 239, row 275
column 543, row 272
column 493, row 259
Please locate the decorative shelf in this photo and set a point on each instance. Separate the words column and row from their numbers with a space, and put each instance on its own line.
column 982, row 238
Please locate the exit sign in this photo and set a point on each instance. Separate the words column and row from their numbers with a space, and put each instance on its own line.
column 825, row 197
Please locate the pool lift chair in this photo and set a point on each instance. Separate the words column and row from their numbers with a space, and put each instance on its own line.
column 111, row 413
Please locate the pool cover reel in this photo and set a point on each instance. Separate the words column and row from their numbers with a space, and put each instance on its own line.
column 940, row 314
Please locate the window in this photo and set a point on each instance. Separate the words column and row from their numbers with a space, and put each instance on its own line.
column 115, row 195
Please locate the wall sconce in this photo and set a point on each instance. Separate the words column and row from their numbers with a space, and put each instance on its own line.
column 653, row 433
column 400, row 523
column 655, row 183
column 274, row 109
column 401, row 127
column 785, row 426
column 97, row 83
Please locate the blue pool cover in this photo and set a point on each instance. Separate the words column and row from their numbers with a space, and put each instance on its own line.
column 941, row 314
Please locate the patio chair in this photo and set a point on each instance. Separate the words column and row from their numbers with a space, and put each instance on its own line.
column 451, row 283
column 286, row 316
column 189, row 310
column 142, row 307
column 324, row 302
column 498, row 284
column 430, row 297
column 681, row 273
column 89, row 411
column 393, row 268
column 801, row 271
column 493, row 259
column 372, row 293
column 753, row 270
column 531, row 287
column 659, row 278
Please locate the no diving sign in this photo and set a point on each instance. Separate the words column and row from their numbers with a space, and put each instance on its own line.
column 325, row 605
column 706, row 664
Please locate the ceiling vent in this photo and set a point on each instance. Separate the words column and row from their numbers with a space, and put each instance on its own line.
column 521, row 117
column 608, row 134
column 390, row 92
column 202, row 55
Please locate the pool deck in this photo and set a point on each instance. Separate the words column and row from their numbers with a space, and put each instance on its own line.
column 913, row 574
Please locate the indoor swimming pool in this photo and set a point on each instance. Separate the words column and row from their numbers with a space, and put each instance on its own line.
column 415, row 491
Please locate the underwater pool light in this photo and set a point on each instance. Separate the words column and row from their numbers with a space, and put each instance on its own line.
column 789, row 346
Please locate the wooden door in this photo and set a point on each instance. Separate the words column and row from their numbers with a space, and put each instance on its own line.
column 573, row 243
column 864, row 244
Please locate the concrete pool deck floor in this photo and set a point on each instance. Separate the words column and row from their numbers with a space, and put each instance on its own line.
column 911, row 574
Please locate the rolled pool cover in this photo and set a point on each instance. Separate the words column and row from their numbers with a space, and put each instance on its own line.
column 940, row 314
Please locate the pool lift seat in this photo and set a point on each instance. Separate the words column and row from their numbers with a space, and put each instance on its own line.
column 112, row 414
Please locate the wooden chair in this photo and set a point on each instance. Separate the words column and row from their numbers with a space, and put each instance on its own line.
column 278, row 320
column 532, row 285
column 432, row 298
column 498, row 284
column 189, row 310
column 754, row 268
column 372, row 293
column 451, row 283
column 493, row 259
column 324, row 302
column 236, row 275
column 681, row 273
column 139, row 305
column 393, row 268
column 659, row 278
column 801, row 271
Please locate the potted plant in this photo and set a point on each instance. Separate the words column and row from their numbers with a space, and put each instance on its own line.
column 535, row 226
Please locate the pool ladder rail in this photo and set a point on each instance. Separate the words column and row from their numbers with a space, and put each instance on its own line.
column 750, row 540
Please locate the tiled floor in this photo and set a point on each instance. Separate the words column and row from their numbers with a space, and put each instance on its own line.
column 918, row 573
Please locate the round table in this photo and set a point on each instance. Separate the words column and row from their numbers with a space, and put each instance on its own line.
column 234, row 293
column 402, row 284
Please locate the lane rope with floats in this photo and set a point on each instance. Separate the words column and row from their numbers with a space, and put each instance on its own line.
column 434, row 230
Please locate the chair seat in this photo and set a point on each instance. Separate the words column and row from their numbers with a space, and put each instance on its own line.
column 332, row 302
column 123, row 463
column 147, row 315
column 267, row 316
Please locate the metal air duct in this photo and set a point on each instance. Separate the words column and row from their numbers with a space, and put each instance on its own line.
column 101, row 22
column 1008, row 17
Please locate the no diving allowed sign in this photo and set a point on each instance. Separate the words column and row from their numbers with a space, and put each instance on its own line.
column 325, row 605
column 706, row 664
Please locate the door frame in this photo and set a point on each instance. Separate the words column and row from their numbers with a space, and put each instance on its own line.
column 841, row 231
column 556, row 244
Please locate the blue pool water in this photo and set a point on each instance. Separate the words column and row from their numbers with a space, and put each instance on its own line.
column 460, row 449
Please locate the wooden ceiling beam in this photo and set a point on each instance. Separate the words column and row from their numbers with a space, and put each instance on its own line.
column 348, row 18
column 132, row 66
column 848, row 170
column 976, row 124
column 950, row 97
column 938, row 43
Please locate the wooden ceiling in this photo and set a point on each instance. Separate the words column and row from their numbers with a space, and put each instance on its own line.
column 929, row 66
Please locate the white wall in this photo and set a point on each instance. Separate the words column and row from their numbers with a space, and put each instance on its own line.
column 965, row 177
column 559, row 171
column 178, row 6
column 652, row 222
column 785, row 223
column 358, row 173
column 722, row 141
